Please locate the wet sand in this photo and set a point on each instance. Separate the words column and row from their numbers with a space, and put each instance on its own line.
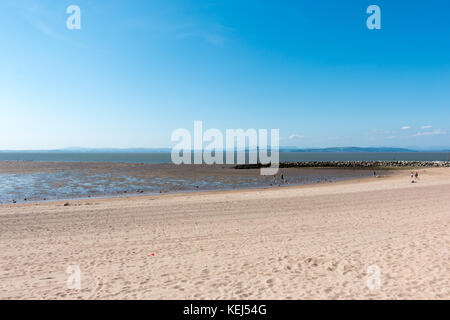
column 38, row 181
column 304, row 242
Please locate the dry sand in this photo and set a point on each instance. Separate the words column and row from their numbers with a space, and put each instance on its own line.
column 310, row 242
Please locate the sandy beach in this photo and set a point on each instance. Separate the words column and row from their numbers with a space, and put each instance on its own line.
column 323, row 241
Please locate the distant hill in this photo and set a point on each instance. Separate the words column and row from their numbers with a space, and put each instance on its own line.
column 282, row 149
column 346, row 149
column 95, row 150
column 115, row 150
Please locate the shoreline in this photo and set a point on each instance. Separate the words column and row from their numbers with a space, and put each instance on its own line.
column 108, row 197
column 166, row 195
column 137, row 196
column 50, row 181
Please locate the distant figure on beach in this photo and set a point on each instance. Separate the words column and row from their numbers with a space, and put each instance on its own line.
column 416, row 175
column 412, row 177
column 282, row 178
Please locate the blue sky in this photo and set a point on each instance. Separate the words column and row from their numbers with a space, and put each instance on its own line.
column 137, row 70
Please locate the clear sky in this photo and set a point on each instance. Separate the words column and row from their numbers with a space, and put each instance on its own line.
column 137, row 70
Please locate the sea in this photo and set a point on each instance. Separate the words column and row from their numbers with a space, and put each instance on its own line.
column 165, row 157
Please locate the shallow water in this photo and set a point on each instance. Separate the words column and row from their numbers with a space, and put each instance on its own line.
column 40, row 181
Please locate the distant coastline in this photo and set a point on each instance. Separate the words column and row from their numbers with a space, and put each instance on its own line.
column 281, row 149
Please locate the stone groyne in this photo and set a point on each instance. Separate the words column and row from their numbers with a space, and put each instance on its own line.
column 352, row 164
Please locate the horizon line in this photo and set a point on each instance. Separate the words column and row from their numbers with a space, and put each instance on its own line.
column 168, row 149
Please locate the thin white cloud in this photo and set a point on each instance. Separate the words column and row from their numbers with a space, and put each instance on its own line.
column 295, row 136
column 426, row 127
column 406, row 127
column 430, row 133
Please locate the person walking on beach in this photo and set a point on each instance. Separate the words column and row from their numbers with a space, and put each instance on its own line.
column 412, row 177
column 416, row 175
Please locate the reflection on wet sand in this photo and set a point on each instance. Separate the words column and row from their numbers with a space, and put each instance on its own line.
column 38, row 181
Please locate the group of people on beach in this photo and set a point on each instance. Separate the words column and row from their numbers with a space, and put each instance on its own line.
column 414, row 176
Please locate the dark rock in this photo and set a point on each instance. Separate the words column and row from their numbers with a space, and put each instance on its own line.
column 351, row 164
